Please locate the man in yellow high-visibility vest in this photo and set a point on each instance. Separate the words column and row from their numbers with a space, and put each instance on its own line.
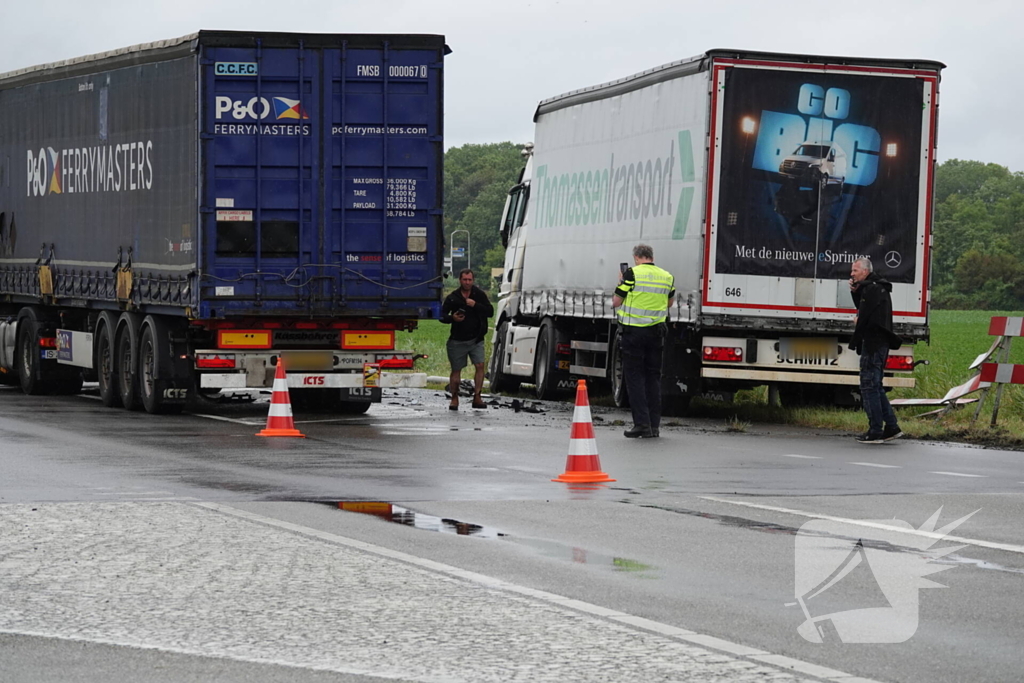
column 642, row 300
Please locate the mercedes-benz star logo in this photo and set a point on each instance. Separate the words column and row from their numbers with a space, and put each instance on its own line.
column 893, row 259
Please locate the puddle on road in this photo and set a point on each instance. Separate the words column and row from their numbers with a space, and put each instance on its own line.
column 553, row 549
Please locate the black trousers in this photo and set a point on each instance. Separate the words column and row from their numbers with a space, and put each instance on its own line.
column 642, row 349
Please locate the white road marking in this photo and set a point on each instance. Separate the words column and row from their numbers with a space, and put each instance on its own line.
column 736, row 649
column 960, row 474
column 137, row 493
column 806, row 457
column 874, row 464
column 247, row 423
column 873, row 525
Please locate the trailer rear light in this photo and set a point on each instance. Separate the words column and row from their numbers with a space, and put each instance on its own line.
column 215, row 361
column 396, row 364
column 48, row 343
column 730, row 354
column 900, row 363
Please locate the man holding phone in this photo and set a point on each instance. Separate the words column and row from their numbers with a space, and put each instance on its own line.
column 642, row 300
column 466, row 310
column 873, row 338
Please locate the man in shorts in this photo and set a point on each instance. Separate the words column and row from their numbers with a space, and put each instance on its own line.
column 466, row 310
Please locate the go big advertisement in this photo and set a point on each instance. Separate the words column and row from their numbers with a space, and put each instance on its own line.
column 818, row 169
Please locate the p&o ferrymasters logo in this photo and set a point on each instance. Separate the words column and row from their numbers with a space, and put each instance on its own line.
column 280, row 110
column 102, row 168
column 259, row 108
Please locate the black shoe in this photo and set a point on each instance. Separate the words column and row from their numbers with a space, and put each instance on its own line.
column 891, row 433
column 868, row 437
column 655, row 433
column 643, row 432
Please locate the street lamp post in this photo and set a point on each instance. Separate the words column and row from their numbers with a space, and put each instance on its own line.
column 452, row 246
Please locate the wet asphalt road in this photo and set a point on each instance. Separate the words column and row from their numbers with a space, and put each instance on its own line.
column 697, row 533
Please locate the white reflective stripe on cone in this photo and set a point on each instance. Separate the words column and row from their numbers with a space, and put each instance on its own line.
column 582, row 447
column 280, row 410
column 581, row 414
column 280, row 384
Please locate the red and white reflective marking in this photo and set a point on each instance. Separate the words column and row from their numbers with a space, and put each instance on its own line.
column 1003, row 373
column 1003, row 326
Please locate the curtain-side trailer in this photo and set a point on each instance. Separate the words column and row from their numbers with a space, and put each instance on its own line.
column 758, row 179
column 183, row 215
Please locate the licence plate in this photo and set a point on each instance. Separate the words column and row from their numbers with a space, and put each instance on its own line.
column 809, row 348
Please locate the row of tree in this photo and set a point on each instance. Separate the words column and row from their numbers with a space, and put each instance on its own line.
column 477, row 179
column 978, row 257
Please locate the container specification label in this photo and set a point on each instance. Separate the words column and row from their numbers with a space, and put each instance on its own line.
column 402, row 197
column 399, row 196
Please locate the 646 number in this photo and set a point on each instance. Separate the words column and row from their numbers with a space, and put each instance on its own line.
column 733, row 291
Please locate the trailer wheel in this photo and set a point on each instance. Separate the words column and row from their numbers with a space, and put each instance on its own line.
column 152, row 387
column 28, row 360
column 127, row 361
column 543, row 362
column 619, row 394
column 106, row 373
column 500, row 382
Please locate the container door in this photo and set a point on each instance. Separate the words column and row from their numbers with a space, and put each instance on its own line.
column 383, row 129
column 261, row 206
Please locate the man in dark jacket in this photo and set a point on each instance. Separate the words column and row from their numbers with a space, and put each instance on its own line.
column 872, row 338
column 466, row 310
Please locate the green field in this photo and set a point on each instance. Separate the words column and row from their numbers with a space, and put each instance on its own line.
column 957, row 338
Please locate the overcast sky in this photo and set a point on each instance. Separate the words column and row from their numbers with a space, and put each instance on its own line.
column 507, row 56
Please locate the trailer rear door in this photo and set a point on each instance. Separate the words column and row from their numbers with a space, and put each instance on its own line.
column 810, row 167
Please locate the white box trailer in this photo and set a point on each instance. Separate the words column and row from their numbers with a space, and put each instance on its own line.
column 758, row 179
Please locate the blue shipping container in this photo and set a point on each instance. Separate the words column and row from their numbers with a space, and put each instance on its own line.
column 230, row 175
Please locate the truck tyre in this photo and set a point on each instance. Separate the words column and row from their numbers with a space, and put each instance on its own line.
column 500, row 382
column 28, row 360
column 106, row 368
column 154, row 354
column 618, row 380
column 543, row 362
column 326, row 401
column 353, row 407
column 126, row 359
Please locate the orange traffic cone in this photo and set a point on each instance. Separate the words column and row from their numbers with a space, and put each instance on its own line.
column 279, row 422
column 583, row 466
